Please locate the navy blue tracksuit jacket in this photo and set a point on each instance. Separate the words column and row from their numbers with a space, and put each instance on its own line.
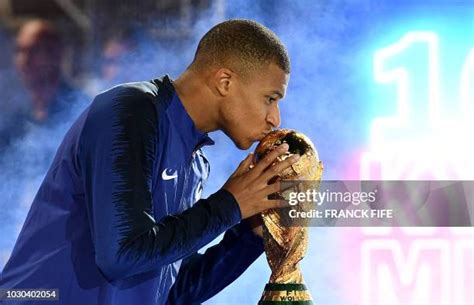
column 118, row 218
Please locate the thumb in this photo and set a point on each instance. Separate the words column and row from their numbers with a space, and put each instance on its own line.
column 244, row 165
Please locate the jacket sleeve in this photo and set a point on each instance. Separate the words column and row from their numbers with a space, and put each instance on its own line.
column 117, row 151
column 202, row 276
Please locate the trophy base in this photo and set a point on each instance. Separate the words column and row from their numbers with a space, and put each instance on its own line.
column 285, row 294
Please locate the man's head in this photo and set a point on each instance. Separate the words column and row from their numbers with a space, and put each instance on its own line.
column 38, row 53
column 247, row 68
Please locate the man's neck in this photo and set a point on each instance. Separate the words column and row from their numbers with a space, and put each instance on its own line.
column 198, row 100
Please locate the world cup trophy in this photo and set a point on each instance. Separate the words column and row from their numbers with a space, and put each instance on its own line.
column 286, row 238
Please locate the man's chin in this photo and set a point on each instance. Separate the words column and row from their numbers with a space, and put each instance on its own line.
column 244, row 145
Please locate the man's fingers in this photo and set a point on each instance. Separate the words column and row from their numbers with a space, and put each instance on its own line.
column 270, row 157
column 276, row 203
column 291, row 184
column 244, row 165
column 272, row 188
column 280, row 186
column 279, row 167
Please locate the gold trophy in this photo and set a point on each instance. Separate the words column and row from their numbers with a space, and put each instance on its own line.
column 286, row 238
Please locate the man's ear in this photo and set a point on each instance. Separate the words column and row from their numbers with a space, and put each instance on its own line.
column 223, row 80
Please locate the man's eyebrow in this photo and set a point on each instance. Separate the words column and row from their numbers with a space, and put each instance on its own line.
column 277, row 92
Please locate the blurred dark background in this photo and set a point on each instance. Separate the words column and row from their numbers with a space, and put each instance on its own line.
column 88, row 25
column 56, row 55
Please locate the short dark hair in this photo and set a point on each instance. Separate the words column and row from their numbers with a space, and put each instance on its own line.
column 244, row 45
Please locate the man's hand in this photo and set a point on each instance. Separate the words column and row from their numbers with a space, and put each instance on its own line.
column 250, row 186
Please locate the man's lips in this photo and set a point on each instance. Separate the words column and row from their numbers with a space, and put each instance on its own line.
column 262, row 135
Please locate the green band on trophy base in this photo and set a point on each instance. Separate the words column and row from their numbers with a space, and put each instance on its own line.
column 285, row 287
column 285, row 294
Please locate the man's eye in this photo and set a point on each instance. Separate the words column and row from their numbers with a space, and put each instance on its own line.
column 271, row 100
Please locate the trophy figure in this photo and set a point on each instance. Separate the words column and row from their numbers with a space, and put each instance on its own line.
column 286, row 238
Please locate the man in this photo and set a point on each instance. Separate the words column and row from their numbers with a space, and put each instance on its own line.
column 38, row 59
column 118, row 218
column 46, row 98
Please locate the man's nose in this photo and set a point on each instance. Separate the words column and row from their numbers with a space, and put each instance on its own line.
column 273, row 118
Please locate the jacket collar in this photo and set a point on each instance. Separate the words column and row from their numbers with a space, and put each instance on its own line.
column 192, row 138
